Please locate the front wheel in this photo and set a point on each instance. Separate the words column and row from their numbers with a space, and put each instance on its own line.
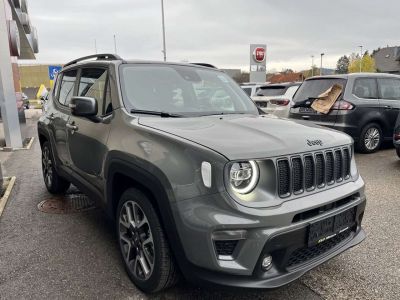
column 370, row 139
column 55, row 184
column 398, row 152
column 144, row 248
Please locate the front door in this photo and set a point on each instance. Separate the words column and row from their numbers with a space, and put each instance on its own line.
column 87, row 140
column 389, row 90
column 59, row 113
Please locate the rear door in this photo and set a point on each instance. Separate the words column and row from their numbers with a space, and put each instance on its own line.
column 87, row 140
column 389, row 94
column 309, row 90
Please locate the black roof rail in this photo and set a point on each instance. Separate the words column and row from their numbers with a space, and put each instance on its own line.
column 205, row 65
column 105, row 56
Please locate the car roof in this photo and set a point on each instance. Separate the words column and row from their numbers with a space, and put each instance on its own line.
column 354, row 75
column 284, row 84
column 113, row 58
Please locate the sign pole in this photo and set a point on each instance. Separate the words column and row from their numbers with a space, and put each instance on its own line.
column 9, row 112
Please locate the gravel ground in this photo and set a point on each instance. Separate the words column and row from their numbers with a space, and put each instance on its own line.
column 76, row 256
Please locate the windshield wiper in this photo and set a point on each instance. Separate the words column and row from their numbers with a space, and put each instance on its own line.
column 224, row 114
column 162, row 114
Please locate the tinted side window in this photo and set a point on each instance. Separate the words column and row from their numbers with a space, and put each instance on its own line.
column 390, row 88
column 67, row 87
column 365, row 88
column 92, row 84
column 108, row 103
column 57, row 87
column 247, row 91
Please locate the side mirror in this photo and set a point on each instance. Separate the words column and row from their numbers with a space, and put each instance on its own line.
column 83, row 107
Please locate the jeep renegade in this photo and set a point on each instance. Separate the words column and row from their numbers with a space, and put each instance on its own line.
column 198, row 180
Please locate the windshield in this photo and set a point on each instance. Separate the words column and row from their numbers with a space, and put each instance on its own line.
column 315, row 87
column 183, row 90
column 268, row 91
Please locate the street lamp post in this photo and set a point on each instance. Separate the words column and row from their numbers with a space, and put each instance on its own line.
column 312, row 65
column 115, row 44
column 361, row 55
column 320, row 69
column 163, row 30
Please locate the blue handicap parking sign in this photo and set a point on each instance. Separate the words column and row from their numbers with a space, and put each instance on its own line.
column 53, row 71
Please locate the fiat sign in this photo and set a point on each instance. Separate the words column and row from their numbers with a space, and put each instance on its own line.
column 259, row 54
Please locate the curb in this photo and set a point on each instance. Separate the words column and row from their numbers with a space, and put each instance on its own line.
column 27, row 147
column 4, row 199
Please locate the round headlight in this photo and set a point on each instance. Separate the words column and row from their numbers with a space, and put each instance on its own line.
column 244, row 176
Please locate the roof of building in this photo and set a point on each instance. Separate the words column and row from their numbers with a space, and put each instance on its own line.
column 387, row 59
column 286, row 77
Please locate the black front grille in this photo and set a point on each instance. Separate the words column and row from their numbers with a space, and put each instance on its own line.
column 304, row 173
column 305, row 254
column 329, row 167
column 338, row 165
column 346, row 163
column 319, row 169
column 309, row 172
column 225, row 248
column 284, row 178
column 297, row 175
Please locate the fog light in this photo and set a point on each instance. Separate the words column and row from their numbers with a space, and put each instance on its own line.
column 266, row 263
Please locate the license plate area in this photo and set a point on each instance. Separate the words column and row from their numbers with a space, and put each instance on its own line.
column 328, row 228
column 308, row 110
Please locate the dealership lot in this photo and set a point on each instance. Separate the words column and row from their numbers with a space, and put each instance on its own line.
column 76, row 255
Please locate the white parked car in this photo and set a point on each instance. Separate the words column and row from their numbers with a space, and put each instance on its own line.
column 251, row 88
column 276, row 98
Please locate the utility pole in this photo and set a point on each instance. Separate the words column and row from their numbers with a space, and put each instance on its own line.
column 163, row 30
column 312, row 65
column 95, row 46
column 320, row 70
column 361, row 56
column 115, row 44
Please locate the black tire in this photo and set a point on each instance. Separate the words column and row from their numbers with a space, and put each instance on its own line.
column 164, row 272
column 371, row 138
column 398, row 152
column 55, row 184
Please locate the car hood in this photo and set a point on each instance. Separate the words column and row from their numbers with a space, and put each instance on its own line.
column 248, row 136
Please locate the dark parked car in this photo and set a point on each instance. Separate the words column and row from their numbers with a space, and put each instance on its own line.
column 367, row 109
column 396, row 136
column 196, row 179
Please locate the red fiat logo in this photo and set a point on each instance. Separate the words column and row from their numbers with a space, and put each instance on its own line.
column 259, row 54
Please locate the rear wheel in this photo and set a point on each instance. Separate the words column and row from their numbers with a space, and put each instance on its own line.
column 370, row 139
column 55, row 184
column 144, row 248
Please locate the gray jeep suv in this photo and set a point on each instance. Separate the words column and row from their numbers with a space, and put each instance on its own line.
column 198, row 181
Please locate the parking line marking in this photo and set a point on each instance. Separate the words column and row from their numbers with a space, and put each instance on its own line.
column 4, row 199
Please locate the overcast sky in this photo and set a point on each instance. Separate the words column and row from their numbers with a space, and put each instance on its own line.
column 215, row 31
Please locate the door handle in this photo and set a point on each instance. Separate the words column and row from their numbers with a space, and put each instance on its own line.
column 72, row 127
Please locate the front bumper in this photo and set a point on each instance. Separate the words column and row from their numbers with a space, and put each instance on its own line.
column 268, row 232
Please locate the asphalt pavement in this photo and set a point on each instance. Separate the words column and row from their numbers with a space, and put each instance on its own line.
column 64, row 256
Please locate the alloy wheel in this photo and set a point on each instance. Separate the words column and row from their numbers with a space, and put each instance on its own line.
column 47, row 166
column 372, row 138
column 136, row 240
